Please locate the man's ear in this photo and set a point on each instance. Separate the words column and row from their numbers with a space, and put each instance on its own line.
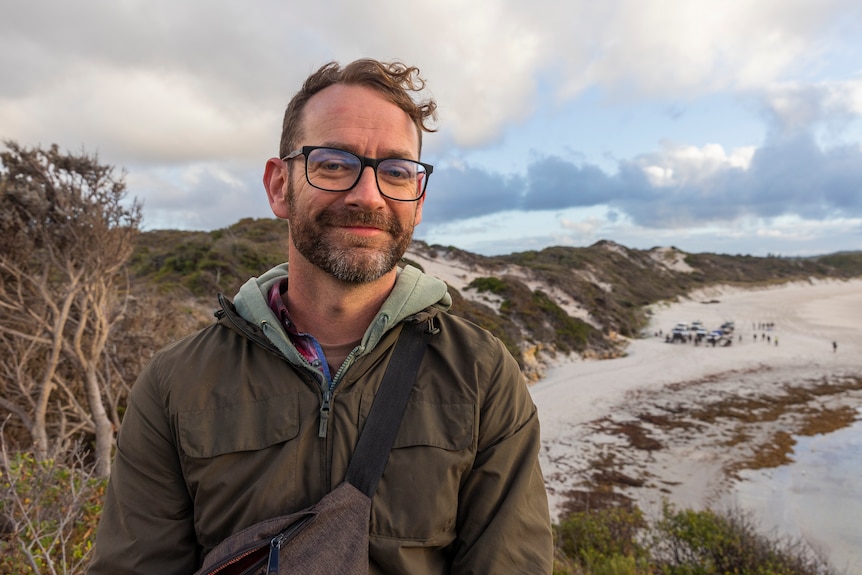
column 275, row 182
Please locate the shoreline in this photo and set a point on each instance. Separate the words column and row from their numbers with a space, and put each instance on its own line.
column 642, row 423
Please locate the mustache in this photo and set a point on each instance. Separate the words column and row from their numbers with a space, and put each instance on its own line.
column 360, row 218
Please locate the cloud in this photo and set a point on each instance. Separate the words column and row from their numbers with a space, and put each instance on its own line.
column 199, row 62
column 461, row 191
column 199, row 196
column 671, row 48
column 188, row 96
column 164, row 119
column 586, row 228
column 554, row 183
column 680, row 165
column 791, row 177
column 675, row 187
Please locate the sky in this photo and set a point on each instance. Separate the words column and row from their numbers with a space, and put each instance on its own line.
column 727, row 127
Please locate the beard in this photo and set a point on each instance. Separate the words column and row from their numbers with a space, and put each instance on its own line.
column 352, row 260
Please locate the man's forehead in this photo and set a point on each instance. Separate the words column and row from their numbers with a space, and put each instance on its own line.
column 353, row 107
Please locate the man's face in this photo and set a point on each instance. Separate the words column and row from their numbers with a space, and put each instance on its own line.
column 356, row 236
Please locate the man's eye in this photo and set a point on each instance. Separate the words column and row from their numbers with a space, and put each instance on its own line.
column 332, row 162
column 332, row 166
column 397, row 171
column 396, row 174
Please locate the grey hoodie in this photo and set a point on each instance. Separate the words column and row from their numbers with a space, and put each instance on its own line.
column 414, row 291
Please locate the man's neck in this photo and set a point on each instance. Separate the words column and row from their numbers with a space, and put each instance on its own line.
column 333, row 311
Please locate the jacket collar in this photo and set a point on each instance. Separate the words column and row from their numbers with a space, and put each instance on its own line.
column 413, row 293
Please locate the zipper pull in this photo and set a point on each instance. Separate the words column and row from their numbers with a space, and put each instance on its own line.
column 274, row 547
column 324, row 413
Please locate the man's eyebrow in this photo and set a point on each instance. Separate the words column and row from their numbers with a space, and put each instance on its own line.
column 386, row 152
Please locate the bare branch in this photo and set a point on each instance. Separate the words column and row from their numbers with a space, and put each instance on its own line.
column 66, row 234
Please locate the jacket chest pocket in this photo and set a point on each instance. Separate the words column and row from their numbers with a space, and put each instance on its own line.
column 240, row 462
column 417, row 497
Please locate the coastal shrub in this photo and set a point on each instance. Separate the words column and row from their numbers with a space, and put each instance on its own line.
column 488, row 284
column 49, row 511
column 620, row 541
column 689, row 542
column 620, row 565
column 602, row 539
column 572, row 334
column 221, row 260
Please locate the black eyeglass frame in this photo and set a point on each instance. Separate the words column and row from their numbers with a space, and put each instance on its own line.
column 365, row 162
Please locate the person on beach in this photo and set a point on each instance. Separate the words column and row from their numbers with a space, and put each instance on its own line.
column 834, row 346
column 257, row 415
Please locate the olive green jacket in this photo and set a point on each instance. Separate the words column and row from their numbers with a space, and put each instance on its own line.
column 225, row 428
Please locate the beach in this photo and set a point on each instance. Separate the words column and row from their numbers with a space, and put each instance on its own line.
column 724, row 426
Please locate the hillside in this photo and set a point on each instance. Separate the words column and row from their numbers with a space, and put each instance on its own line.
column 587, row 301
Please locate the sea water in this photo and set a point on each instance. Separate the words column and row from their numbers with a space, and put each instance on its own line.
column 817, row 498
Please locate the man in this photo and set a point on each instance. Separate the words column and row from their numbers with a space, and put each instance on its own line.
column 257, row 416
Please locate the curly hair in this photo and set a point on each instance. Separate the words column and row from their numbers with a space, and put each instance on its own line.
column 394, row 80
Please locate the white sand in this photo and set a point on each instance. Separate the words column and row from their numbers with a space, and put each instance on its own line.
column 807, row 318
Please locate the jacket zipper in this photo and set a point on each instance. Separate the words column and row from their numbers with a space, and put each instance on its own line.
column 326, row 404
column 325, row 407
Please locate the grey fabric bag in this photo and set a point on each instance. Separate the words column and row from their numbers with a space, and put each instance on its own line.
column 332, row 535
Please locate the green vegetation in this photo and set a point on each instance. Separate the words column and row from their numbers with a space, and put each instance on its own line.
column 49, row 510
column 493, row 285
column 620, row 541
column 531, row 312
column 572, row 334
column 847, row 263
column 602, row 541
column 205, row 263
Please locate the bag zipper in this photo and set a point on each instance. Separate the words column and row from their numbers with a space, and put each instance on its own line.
column 249, row 551
column 285, row 536
column 259, row 549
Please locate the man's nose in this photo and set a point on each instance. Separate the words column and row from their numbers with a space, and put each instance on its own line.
column 365, row 191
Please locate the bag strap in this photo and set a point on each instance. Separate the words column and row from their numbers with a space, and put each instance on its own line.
column 372, row 450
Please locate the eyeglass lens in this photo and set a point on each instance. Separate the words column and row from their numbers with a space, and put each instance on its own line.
column 336, row 171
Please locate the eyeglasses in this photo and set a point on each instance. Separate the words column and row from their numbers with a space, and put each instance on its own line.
column 334, row 170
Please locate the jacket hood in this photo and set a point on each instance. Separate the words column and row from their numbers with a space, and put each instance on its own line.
column 413, row 293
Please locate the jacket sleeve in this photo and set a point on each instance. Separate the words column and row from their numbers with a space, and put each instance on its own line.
column 147, row 523
column 503, row 516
